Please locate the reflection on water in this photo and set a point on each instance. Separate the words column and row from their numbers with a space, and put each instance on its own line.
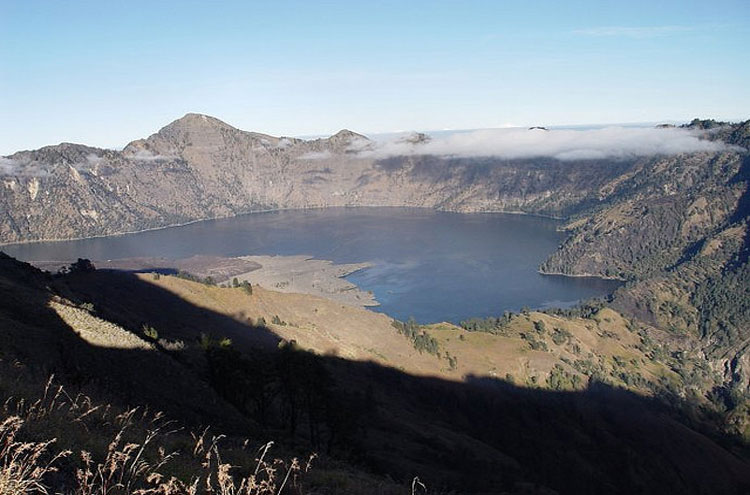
column 431, row 265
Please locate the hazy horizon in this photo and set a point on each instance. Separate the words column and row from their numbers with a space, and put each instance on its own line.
column 104, row 74
column 386, row 136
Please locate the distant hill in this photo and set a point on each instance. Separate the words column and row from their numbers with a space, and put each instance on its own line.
column 678, row 230
column 198, row 167
column 666, row 357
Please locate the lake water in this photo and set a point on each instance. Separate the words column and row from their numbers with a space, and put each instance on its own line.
column 431, row 265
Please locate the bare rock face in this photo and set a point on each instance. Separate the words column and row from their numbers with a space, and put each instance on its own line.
column 199, row 167
column 676, row 226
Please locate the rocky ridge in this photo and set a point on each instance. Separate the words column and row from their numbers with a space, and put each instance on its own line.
column 671, row 225
column 198, row 167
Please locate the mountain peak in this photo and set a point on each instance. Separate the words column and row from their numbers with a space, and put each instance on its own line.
column 197, row 121
column 347, row 134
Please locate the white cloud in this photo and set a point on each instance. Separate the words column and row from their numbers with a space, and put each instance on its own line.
column 26, row 168
column 359, row 144
column 90, row 163
column 315, row 155
column 93, row 158
column 609, row 142
column 148, row 156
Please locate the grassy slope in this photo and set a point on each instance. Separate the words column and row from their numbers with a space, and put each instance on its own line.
column 678, row 230
column 471, row 436
column 327, row 327
column 605, row 347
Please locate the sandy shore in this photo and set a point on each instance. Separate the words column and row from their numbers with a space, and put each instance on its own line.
column 305, row 275
column 290, row 274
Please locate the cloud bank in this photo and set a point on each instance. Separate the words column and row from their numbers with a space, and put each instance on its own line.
column 609, row 142
column 147, row 156
column 315, row 155
column 23, row 168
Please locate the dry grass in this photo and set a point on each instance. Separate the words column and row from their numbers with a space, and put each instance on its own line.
column 319, row 324
column 22, row 464
column 137, row 459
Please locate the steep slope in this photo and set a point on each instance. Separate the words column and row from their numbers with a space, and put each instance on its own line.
column 50, row 333
column 195, row 168
column 679, row 231
column 473, row 436
column 199, row 167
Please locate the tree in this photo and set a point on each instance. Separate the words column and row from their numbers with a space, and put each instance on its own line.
column 83, row 265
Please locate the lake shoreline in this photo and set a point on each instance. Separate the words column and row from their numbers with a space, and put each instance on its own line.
column 581, row 275
column 302, row 274
column 296, row 274
column 274, row 210
column 430, row 264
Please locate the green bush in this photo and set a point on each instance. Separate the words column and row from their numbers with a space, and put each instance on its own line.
column 419, row 338
column 150, row 332
column 540, row 327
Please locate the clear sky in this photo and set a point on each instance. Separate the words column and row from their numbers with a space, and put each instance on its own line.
column 106, row 72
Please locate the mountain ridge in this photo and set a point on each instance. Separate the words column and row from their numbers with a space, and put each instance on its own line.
column 206, row 168
column 674, row 227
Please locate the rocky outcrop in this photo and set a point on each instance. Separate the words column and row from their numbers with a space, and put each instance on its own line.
column 199, row 167
column 670, row 223
column 678, row 228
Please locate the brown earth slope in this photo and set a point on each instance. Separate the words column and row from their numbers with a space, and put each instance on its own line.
column 161, row 342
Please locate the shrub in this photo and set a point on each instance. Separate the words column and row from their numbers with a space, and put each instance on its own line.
column 150, row 332
column 81, row 266
column 540, row 327
column 559, row 379
column 419, row 338
column 534, row 344
column 194, row 278
column 560, row 336
column 452, row 361
column 494, row 325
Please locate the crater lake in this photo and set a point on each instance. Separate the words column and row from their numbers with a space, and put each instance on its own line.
column 430, row 265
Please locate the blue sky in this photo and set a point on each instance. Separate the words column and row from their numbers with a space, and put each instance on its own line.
column 104, row 73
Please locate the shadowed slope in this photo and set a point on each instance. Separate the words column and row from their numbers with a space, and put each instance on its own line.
column 55, row 335
column 479, row 436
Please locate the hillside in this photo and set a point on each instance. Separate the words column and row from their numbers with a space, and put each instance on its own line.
column 198, row 167
column 671, row 224
column 328, row 327
column 679, row 232
column 583, row 391
column 160, row 342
